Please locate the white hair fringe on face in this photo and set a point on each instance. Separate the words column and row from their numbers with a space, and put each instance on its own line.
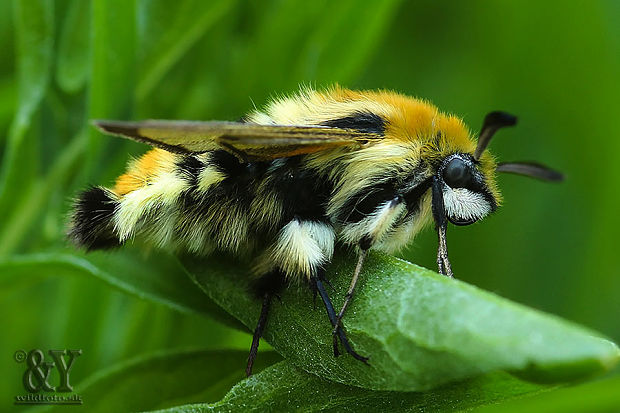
column 463, row 204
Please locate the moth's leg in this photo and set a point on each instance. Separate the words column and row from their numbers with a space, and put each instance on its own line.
column 347, row 298
column 300, row 250
column 258, row 333
column 367, row 232
column 439, row 215
column 318, row 286
column 266, row 287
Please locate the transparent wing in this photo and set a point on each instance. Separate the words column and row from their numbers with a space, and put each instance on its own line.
column 247, row 140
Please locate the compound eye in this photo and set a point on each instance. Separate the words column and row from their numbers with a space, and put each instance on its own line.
column 457, row 174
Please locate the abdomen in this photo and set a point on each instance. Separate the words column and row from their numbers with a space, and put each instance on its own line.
column 199, row 202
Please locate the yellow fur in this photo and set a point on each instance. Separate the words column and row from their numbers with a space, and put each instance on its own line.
column 412, row 129
column 144, row 170
column 151, row 193
column 366, row 169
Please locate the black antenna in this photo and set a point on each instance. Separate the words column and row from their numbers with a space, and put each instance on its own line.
column 531, row 169
column 492, row 122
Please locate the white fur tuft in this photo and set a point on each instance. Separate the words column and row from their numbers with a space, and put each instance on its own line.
column 463, row 204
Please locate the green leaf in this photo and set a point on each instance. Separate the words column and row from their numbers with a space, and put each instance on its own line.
column 73, row 49
column 597, row 396
column 283, row 388
column 420, row 329
column 164, row 380
column 156, row 277
column 8, row 89
column 71, row 309
column 35, row 32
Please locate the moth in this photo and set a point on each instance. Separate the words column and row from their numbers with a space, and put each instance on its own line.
column 364, row 169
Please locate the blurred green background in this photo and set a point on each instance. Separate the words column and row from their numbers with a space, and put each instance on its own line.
column 554, row 64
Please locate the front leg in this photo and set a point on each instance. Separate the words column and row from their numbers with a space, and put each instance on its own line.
column 367, row 232
column 319, row 287
column 441, row 223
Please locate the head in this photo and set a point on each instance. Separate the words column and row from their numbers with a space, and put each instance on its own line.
column 463, row 189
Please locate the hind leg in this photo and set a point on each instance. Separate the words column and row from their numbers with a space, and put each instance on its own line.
column 266, row 288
